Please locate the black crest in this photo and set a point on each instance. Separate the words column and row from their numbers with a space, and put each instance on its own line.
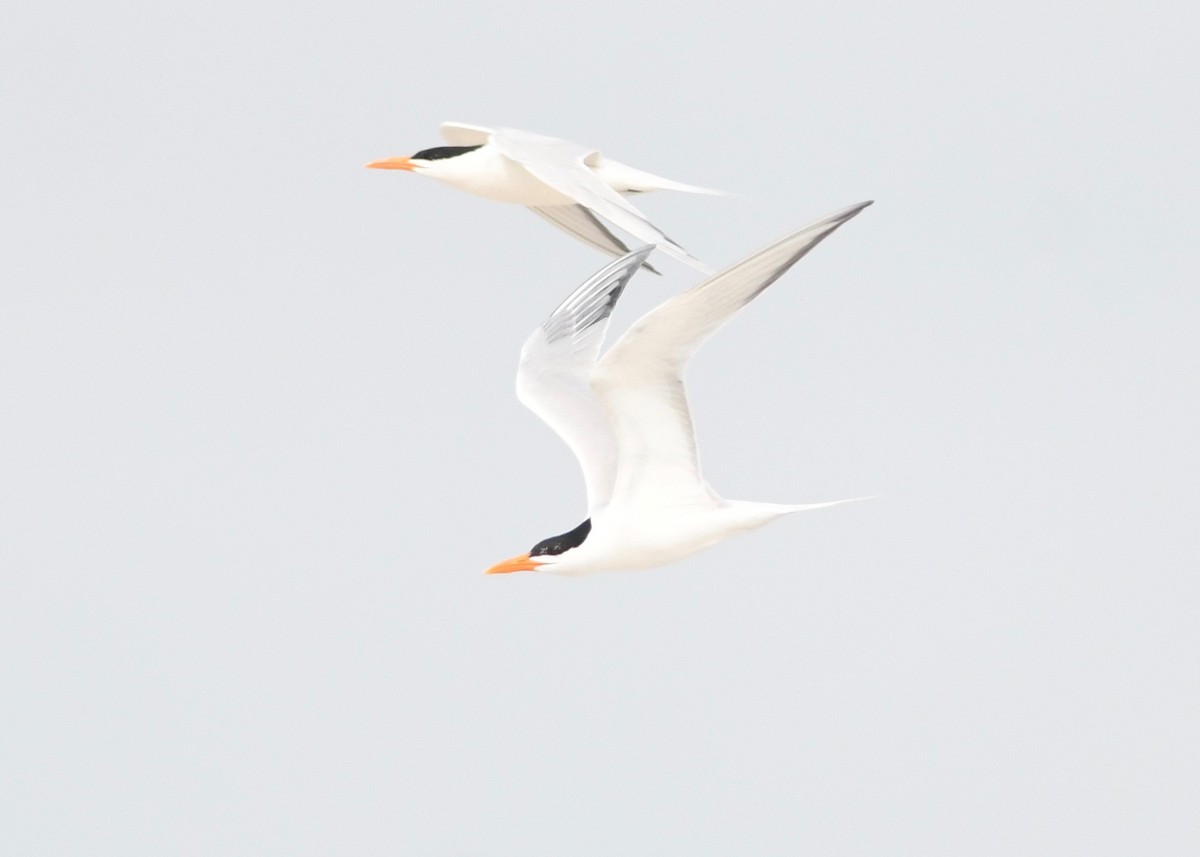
column 440, row 152
column 555, row 545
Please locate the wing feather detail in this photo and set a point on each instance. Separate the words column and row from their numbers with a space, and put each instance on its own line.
column 639, row 382
column 563, row 166
column 581, row 223
column 557, row 362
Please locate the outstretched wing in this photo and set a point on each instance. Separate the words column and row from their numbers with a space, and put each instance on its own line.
column 640, row 380
column 564, row 166
column 459, row 134
column 556, row 365
column 578, row 221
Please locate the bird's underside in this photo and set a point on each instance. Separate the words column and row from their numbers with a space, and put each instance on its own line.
column 626, row 415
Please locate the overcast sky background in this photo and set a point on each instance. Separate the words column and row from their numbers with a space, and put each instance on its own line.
column 258, row 436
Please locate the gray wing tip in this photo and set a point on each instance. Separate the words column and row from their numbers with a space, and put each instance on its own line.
column 641, row 253
column 620, row 272
column 628, row 263
column 595, row 300
column 850, row 211
column 828, row 224
column 839, row 218
column 795, row 247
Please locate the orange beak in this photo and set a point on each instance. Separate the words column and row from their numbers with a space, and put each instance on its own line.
column 391, row 164
column 517, row 563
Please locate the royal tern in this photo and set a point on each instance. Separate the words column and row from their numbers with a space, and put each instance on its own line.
column 570, row 185
column 626, row 418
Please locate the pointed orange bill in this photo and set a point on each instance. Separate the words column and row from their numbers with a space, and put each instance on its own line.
column 391, row 164
column 517, row 563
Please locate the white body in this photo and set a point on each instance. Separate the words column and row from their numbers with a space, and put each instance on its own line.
column 488, row 173
column 567, row 184
column 626, row 537
column 626, row 416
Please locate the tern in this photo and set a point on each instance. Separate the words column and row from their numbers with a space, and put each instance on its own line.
column 570, row 185
column 625, row 416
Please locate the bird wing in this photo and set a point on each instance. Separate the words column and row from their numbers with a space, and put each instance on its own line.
column 578, row 221
column 564, row 166
column 557, row 362
column 460, row 134
column 639, row 382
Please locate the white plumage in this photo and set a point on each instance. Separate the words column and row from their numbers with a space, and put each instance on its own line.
column 626, row 417
column 572, row 186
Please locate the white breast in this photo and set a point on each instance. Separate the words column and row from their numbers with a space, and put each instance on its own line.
column 487, row 173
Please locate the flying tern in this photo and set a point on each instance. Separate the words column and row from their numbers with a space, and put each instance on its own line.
column 625, row 416
column 572, row 186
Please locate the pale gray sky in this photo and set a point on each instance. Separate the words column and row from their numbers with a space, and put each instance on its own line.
column 258, row 437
